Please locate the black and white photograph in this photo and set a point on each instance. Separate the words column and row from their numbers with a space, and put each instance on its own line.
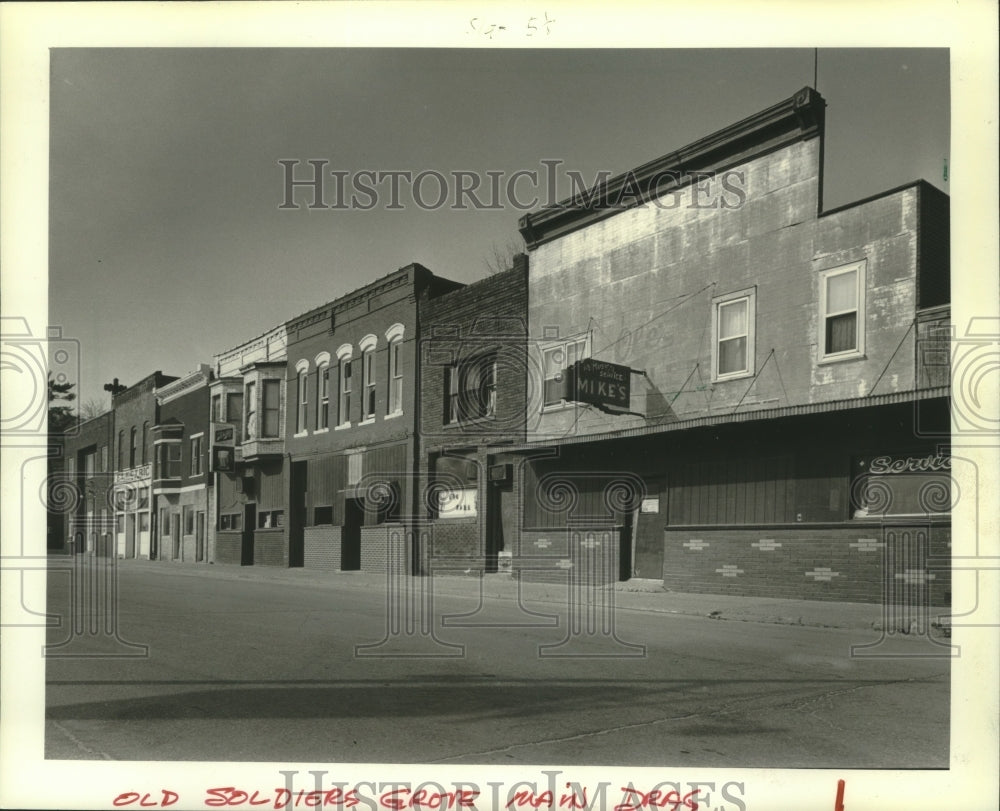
column 502, row 407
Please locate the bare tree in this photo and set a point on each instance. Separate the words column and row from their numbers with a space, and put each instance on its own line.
column 501, row 257
column 93, row 407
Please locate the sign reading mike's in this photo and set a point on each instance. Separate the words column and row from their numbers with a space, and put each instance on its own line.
column 223, row 447
column 599, row 383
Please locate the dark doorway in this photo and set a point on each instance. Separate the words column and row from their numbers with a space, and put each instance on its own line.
column 350, row 534
column 297, row 514
column 650, row 521
column 249, row 524
column 625, row 547
column 494, row 522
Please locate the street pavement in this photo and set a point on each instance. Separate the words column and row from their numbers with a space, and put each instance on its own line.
column 288, row 665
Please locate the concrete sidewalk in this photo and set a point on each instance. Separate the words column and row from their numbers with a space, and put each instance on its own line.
column 633, row 595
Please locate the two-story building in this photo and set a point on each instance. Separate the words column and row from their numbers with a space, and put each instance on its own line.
column 135, row 413
column 473, row 389
column 83, row 497
column 737, row 395
column 350, row 432
column 181, row 496
column 250, row 494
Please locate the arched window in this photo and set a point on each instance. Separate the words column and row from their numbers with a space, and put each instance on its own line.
column 368, row 374
column 145, row 442
column 302, row 398
column 121, row 451
column 133, row 446
column 394, row 335
column 344, row 411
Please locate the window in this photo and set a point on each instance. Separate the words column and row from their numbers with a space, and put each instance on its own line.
column 89, row 460
column 216, row 408
column 164, row 522
column 250, row 423
column 557, row 358
column 395, row 379
column 234, row 412
column 104, row 458
column 841, row 306
column 230, row 521
column 270, row 519
column 355, row 462
column 121, row 451
column 302, row 398
column 188, row 520
column 272, row 406
column 368, row 371
column 133, row 446
column 196, row 456
column 733, row 329
column 145, row 442
column 470, row 390
column 394, row 335
column 169, row 460
column 323, row 396
column 345, row 391
column 322, row 515
column 143, row 522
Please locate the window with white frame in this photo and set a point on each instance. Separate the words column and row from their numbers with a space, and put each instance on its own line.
column 556, row 358
column 301, row 397
column 344, row 400
column 394, row 335
column 323, row 395
column 250, row 401
column 841, row 312
column 368, row 376
column 733, row 334
column 471, row 389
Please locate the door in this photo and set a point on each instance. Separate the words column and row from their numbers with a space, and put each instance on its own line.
column 199, row 538
column 144, row 550
column 350, row 534
column 649, row 524
column 297, row 514
column 495, row 503
column 249, row 524
column 175, row 534
column 129, row 551
column 625, row 546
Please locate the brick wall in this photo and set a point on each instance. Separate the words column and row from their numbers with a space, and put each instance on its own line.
column 322, row 548
column 833, row 562
column 385, row 545
column 455, row 544
column 587, row 556
column 228, row 547
column 270, row 548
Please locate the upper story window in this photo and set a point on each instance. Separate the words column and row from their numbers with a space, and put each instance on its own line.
column 168, row 460
column 272, row 408
column 104, row 458
column 250, row 423
column 394, row 335
column 121, row 451
column 234, row 411
column 216, row 408
column 301, row 397
column 196, row 456
column 322, row 391
column 470, row 390
column 368, row 372
column 133, row 446
column 344, row 410
column 556, row 358
column 145, row 442
column 733, row 329
column 841, row 312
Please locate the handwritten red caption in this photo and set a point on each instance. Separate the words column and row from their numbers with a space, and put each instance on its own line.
column 230, row 796
column 635, row 800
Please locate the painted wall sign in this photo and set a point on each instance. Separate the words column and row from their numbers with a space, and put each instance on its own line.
column 603, row 384
column 457, row 503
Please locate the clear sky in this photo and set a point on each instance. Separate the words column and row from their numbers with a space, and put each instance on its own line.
column 167, row 243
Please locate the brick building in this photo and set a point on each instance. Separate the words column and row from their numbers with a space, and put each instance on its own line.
column 350, row 432
column 474, row 378
column 757, row 411
column 135, row 413
column 248, row 393
column 84, row 496
column 181, row 495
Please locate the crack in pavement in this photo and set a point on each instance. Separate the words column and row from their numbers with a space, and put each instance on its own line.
column 80, row 744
